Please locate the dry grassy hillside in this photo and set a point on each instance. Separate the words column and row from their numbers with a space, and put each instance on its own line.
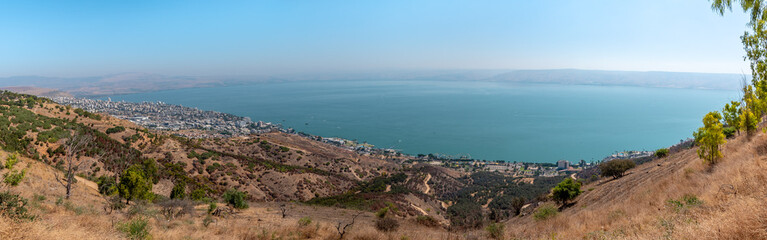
column 676, row 197
column 273, row 166
column 84, row 217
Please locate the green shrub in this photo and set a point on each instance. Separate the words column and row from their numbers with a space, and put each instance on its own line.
column 661, row 153
column 179, row 191
column 107, row 185
column 284, row 149
column 545, row 212
column 381, row 213
column 616, row 168
column 11, row 160
column 212, row 207
column 197, row 194
column 729, row 132
column 304, row 221
column 495, row 230
column 13, row 178
column 235, row 199
column 116, row 129
column 387, row 225
column 14, row 206
column 566, row 190
column 136, row 229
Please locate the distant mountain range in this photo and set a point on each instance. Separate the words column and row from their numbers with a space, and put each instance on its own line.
column 127, row 83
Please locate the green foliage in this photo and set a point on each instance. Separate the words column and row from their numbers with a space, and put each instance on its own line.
column 14, row 206
column 566, row 190
column 179, row 190
column 87, row 114
column 197, row 194
column 304, row 221
column 13, row 178
column 235, row 199
column 616, row 168
column 136, row 229
column 151, row 171
column 731, row 114
column 346, row 200
column 11, row 160
column 729, row 132
column 212, row 207
column 387, row 225
column 107, row 185
column 465, row 214
column 116, row 129
column 661, row 153
column 134, row 185
column 381, row 213
column 53, row 135
column 710, row 136
column 545, row 212
column 685, row 202
column 284, row 149
column 495, row 230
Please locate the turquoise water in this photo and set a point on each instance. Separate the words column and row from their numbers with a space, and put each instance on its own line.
column 486, row 120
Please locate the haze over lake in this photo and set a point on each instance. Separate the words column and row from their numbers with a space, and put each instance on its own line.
column 486, row 120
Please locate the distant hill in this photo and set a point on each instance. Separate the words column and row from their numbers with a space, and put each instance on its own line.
column 42, row 92
column 625, row 78
column 126, row 83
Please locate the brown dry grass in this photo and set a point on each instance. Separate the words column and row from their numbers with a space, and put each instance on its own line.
column 635, row 206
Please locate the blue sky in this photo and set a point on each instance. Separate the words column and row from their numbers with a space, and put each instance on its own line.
column 83, row 38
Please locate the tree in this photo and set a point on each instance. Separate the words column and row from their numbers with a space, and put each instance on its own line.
column 566, row 190
column 755, row 45
column 342, row 227
column 151, row 171
column 179, row 190
column 134, row 185
column 76, row 144
column 710, row 136
column 731, row 114
column 616, row 168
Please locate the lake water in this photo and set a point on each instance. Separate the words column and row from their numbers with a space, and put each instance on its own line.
column 486, row 120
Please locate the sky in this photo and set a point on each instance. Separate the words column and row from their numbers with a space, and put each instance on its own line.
column 87, row 38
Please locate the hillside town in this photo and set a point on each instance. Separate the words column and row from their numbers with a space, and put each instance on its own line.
column 163, row 116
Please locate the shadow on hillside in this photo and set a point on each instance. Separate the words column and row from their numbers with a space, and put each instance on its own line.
column 567, row 205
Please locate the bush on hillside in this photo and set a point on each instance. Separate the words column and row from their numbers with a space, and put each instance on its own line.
column 304, row 221
column 14, row 206
column 179, row 191
column 136, row 229
column 545, row 212
column 116, row 129
column 661, row 153
column 387, row 225
column 427, row 221
column 495, row 230
column 729, row 132
column 616, row 168
column 566, row 190
column 235, row 199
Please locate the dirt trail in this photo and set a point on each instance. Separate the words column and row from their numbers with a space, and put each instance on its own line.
column 426, row 183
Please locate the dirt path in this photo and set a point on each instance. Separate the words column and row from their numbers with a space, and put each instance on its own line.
column 426, row 182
